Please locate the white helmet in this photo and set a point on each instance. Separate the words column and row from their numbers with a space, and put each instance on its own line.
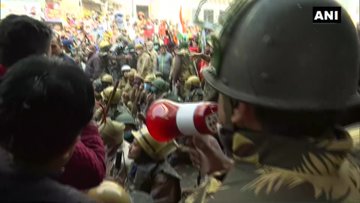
column 125, row 68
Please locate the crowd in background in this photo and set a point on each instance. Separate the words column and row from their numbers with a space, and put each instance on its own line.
column 130, row 65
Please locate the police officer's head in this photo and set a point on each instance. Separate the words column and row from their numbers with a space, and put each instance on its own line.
column 44, row 105
column 109, row 192
column 278, row 71
column 106, row 81
column 146, row 147
column 22, row 36
column 192, row 82
column 112, row 133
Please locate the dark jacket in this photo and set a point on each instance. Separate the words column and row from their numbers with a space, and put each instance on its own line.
column 164, row 63
column 21, row 185
column 67, row 58
column 86, row 167
column 93, row 67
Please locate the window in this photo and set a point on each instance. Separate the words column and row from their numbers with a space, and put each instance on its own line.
column 209, row 16
column 144, row 9
column 221, row 16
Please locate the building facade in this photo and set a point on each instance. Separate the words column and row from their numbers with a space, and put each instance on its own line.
column 170, row 9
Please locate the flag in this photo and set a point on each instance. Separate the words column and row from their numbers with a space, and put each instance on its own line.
column 182, row 23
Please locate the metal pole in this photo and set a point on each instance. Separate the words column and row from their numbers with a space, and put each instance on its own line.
column 132, row 8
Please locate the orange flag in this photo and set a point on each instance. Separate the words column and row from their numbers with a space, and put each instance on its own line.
column 183, row 27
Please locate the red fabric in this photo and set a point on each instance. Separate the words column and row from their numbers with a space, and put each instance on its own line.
column 194, row 49
column 149, row 31
column 86, row 168
column 2, row 70
column 166, row 41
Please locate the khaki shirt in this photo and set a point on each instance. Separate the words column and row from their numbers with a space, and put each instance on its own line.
column 285, row 169
column 144, row 65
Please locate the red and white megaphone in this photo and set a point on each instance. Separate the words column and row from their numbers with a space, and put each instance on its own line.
column 167, row 120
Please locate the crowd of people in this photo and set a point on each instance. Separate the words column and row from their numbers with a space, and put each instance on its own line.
column 74, row 99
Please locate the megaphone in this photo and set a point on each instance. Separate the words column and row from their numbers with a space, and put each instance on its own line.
column 167, row 120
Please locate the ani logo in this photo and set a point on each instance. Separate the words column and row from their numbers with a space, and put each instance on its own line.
column 326, row 14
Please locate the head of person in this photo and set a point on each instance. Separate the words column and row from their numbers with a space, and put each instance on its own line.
column 125, row 69
column 22, row 36
column 109, row 192
column 192, row 82
column 163, row 49
column 270, row 94
column 159, row 86
column 144, row 146
column 141, row 15
column 107, row 93
column 90, row 50
column 106, row 81
column 56, row 46
column 138, row 80
column 112, row 133
column 131, row 76
column 139, row 48
column 147, row 82
column 45, row 103
column 149, row 45
column 129, row 121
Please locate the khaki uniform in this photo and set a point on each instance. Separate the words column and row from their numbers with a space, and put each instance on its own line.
column 285, row 169
column 182, row 69
column 144, row 65
column 122, row 83
column 155, row 176
column 128, row 88
column 153, row 56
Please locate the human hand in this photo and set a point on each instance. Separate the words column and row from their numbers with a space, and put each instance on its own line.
column 207, row 155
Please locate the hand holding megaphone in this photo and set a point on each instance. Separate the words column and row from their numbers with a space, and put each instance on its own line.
column 167, row 120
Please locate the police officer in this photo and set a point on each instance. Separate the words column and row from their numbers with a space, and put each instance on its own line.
column 117, row 161
column 151, row 172
column 125, row 69
column 195, row 92
column 144, row 64
column 130, row 124
column 115, row 108
column 103, row 82
column 182, row 68
column 282, row 81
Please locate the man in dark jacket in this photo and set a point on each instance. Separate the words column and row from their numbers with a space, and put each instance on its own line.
column 57, row 50
column 93, row 66
column 164, row 62
column 34, row 114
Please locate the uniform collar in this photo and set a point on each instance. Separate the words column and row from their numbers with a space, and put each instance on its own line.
column 318, row 156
